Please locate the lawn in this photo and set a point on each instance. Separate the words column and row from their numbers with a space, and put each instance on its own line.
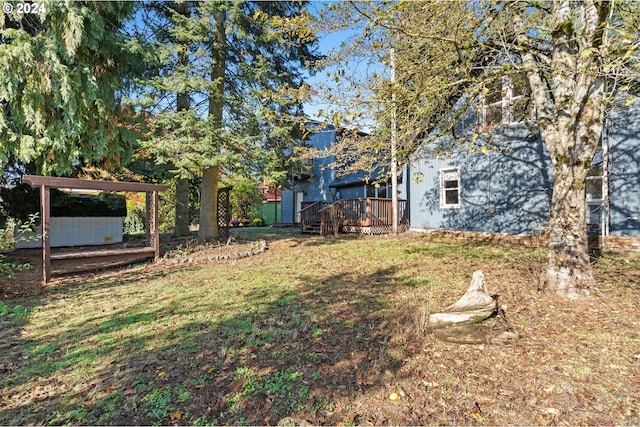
column 321, row 331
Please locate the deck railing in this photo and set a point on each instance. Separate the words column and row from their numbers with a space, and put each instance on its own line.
column 373, row 215
column 310, row 215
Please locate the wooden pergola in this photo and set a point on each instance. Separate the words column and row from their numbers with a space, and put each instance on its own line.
column 152, row 245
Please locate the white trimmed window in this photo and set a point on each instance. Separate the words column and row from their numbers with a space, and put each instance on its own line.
column 450, row 188
column 596, row 189
column 506, row 102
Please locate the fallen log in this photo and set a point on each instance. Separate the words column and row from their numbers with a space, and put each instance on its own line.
column 475, row 306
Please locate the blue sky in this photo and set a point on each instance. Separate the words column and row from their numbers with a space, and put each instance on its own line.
column 322, row 80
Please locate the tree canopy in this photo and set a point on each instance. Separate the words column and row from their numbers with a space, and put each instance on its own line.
column 238, row 68
column 63, row 75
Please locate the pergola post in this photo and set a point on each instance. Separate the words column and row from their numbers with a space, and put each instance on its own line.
column 148, row 213
column 152, row 200
column 45, row 213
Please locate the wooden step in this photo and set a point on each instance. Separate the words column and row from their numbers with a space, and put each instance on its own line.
column 115, row 255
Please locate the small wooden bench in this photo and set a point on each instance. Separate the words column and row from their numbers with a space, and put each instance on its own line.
column 109, row 256
column 151, row 249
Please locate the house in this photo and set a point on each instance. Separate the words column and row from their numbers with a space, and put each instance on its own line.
column 503, row 183
column 500, row 183
column 363, row 206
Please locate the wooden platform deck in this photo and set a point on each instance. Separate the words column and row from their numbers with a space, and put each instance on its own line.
column 364, row 215
column 108, row 255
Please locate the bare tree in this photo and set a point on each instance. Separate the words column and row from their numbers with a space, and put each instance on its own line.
column 574, row 54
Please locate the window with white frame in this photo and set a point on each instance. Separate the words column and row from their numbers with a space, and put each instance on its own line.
column 595, row 193
column 506, row 102
column 450, row 188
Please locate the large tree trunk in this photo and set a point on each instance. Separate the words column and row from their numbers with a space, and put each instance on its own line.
column 183, row 102
column 208, row 230
column 570, row 122
column 182, row 207
column 569, row 271
column 210, row 176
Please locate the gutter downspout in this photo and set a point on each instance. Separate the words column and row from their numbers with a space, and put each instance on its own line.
column 606, row 211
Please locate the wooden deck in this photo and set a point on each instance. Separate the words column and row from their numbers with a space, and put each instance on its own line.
column 104, row 255
column 365, row 215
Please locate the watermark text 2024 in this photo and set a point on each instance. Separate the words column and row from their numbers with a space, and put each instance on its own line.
column 23, row 8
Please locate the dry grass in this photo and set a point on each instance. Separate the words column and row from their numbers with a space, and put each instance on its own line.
column 326, row 331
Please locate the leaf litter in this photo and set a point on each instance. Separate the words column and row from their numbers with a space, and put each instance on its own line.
column 324, row 331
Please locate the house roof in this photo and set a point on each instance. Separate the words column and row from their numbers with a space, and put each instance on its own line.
column 359, row 177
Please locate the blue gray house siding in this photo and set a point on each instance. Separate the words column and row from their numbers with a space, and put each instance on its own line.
column 317, row 187
column 507, row 188
column 624, row 170
column 503, row 189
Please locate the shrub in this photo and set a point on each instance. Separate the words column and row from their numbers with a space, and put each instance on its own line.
column 6, row 242
column 134, row 222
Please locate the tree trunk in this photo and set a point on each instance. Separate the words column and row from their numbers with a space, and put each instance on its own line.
column 572, row 144
column 183, row 102
column 569, row 271
column 210, row 176
column 182, row 207
column 571, row 123
column 208, row 230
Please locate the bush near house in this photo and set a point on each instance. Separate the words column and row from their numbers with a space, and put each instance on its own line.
column 245, row 199
column 134, row 222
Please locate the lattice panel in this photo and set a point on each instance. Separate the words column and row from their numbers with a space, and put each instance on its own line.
column 224, row 212
column 373, row 230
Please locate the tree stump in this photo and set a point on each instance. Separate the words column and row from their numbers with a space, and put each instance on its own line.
column 475, row 306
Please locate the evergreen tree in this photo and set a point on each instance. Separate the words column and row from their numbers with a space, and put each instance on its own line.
column 244, row 76
column 63, row 73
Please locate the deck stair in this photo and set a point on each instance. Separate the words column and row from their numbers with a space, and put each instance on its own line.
column 310, row 218
column 312, row 228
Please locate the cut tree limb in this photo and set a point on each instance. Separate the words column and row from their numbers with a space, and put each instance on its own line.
column 475, row 305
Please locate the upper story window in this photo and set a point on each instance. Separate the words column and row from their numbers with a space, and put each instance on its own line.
column 507, row 101
column 450, row 188
column 595, row 180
